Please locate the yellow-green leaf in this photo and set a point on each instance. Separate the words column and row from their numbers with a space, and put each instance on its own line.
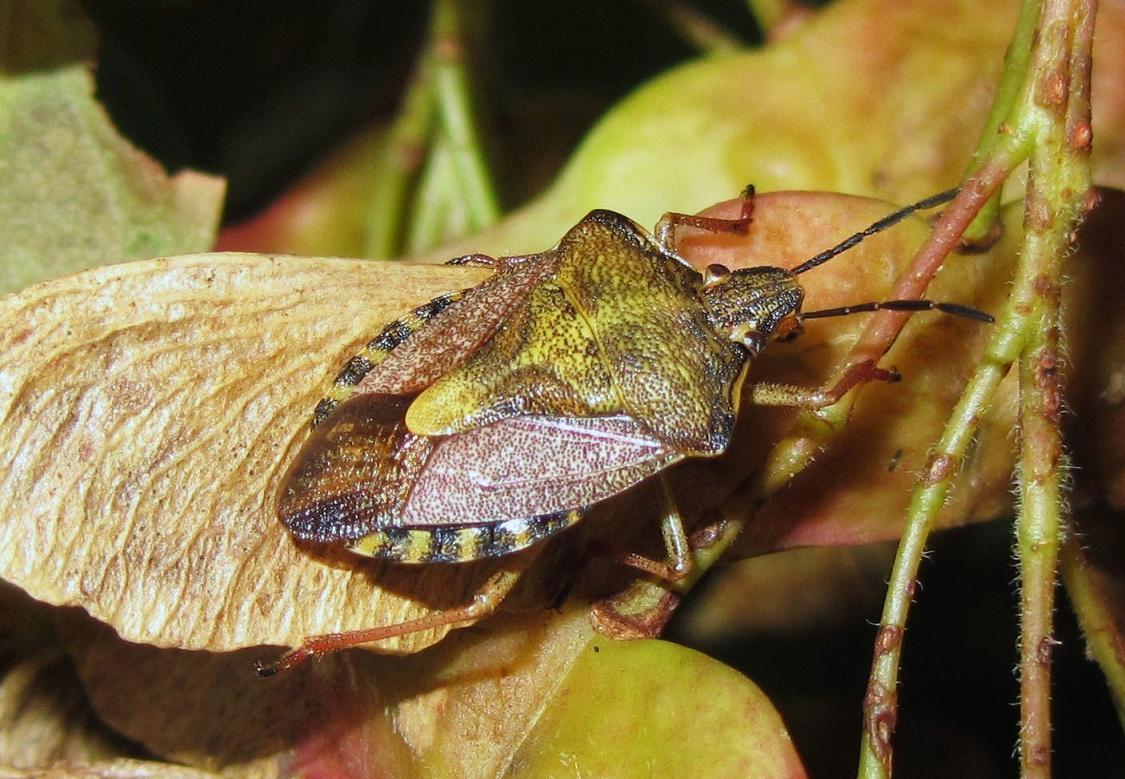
column 650, row 708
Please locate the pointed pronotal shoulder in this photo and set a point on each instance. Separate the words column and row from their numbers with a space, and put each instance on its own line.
column 602, row 224
column 617, row 223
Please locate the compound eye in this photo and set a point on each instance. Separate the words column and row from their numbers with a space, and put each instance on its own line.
column 714, row 274
column 751, row 339
column 789, row 329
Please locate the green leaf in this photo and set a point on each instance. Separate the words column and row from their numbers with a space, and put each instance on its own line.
column 73, row 193
column 651, row 708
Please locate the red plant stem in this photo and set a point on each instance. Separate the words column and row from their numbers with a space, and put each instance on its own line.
column 883, row 328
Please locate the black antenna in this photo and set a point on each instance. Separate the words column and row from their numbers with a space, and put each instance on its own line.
column 882, row 224
column 956, row 309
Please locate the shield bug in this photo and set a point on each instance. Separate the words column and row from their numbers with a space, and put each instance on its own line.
column 488, row 420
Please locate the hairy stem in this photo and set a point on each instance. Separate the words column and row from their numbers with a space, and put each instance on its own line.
column 1053, row 94
column 1011, row 82
column 1057, row 196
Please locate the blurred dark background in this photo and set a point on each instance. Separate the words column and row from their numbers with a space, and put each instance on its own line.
column 259, row 90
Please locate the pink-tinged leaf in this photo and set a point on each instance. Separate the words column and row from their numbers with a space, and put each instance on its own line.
column 857, row 491
column 531, row 465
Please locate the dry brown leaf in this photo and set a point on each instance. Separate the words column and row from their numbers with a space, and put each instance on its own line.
column 148, row 411
column 111, row 769
column 211, row 711
column 45, row 718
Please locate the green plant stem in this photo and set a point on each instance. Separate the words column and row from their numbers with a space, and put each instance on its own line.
column 881, row 700
column 455, row 110
column 434, row 202
column 1089, row 591
column 455, row 195
column 1057, row 186
column 815, row 429
column 1011, row 82
column 697, row 28
column 1038, row 531
column 403, row 156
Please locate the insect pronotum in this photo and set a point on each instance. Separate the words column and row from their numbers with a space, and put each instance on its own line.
column 488, row 420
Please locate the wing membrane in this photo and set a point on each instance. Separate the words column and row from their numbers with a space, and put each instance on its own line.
column 354, row 473
column 454, row 334
column 533, row 465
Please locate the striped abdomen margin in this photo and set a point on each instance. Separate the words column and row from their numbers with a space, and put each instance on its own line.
column 461, row 544
column 377, row 350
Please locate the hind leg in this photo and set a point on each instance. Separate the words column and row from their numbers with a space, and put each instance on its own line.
column 485, row 602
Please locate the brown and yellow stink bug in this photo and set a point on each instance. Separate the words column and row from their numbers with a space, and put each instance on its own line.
column 487, row 420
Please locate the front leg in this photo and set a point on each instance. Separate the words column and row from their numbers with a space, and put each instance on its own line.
column 768, row 394
column 665, row 230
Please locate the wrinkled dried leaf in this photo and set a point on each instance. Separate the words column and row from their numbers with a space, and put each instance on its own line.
column 73, row 192
column 148, row 412
column 110, row 769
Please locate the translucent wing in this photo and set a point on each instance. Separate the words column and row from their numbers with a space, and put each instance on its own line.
column 532, row 465
column 414, row 351
column 456, row 331
column 354, row 473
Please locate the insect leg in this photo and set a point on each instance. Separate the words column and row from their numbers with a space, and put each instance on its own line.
column 483, row 603
column 680, row 561
column 665, row 231
column 767, row 394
